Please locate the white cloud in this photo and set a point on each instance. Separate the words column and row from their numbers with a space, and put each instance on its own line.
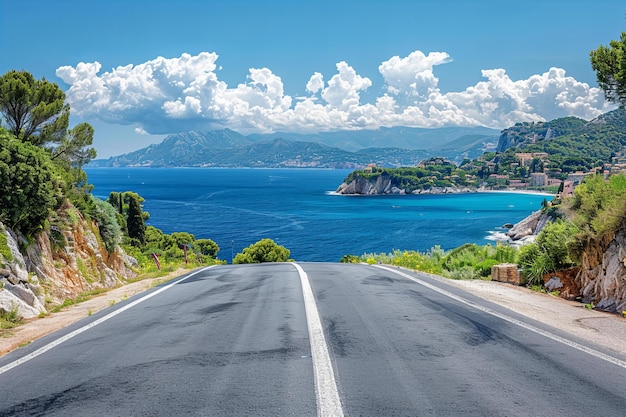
column 413, row 76
column 316, row 83
column 168, row 95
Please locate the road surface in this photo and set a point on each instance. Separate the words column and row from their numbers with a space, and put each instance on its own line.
column 310, row 339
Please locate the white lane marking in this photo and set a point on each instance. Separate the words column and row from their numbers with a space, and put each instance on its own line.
column 328, row 402
column 76, row 332
column 526, row 326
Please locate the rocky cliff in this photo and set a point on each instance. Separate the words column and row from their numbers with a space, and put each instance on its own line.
column 386, row 185
column 363, row 186
column 526, row 230
column 602, row 276
column 58, row 265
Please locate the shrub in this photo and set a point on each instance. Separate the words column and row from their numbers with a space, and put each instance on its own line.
column 534, row 264
column 484, row 268
column 10, row 318
column 350, row 259
column 265, row 250
column 105, row 216
column 207, row 247
column 464, row 272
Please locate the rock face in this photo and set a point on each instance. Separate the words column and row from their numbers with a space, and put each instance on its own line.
column 385, row 185
column 363, row 186
column 528, row 228
column 602, row 275
column 46, row 272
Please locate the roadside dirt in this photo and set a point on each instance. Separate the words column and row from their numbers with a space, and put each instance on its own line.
column 35, row 328
column 603, row 329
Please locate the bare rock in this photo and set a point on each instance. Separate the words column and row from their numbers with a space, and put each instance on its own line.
column 9, row 301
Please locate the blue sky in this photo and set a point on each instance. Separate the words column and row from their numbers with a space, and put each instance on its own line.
column 139, row 70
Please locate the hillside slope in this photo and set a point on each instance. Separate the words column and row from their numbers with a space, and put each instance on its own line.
column 59, row 265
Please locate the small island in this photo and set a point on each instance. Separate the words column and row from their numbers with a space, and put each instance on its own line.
column 434, row 176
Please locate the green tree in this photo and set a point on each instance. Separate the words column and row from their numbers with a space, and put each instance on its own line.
column 34, row 110
column 74, row 146
column 609, row 63
column 265, row 250
column 135, row 222
column 207, row 247
column 128, row 196
column 183, row 238
column 29, row 189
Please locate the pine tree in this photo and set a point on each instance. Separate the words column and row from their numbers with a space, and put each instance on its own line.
column 135, row 223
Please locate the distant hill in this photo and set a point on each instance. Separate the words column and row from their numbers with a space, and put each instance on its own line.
column 572, row 144
column 393, row 137
column 386, row 147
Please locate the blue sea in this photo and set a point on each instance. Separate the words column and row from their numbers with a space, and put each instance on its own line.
column 298, row 209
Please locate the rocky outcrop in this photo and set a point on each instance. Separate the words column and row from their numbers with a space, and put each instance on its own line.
column 385, row 185
column 364, row 186
column 528, row 228
column 602, row 276
column 47, row 271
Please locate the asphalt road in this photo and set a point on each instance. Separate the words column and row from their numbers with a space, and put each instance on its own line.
column 305, row 340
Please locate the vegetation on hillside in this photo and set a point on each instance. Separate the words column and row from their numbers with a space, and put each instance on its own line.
column 435, row 172
column 469, row 261
column 571, row 145
column 43, row 187
column 597, row 208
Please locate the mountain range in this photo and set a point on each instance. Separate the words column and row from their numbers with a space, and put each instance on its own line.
column 386, row 147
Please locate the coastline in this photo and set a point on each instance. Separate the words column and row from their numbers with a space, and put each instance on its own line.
column 450, row 190
column 514, row 191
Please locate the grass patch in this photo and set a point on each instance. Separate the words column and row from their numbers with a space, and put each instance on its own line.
column 4, row 248
column 83, row 270
column 9, row 319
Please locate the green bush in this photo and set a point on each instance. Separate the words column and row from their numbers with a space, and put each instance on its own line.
column 105, row 216
column 350, row 259
column 265, row 250
column 484, row 268
column 206, row 247
column 534, row 264
column 464, row 272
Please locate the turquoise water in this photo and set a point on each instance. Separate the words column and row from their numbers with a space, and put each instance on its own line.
column 298, row 209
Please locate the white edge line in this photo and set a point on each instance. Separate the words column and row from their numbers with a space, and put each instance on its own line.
column 526, row 326
column 101, row 320
column 328, row 402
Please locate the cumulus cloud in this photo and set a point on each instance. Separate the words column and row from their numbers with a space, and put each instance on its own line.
column 168, row 95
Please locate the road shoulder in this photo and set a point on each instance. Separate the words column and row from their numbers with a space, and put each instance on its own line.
column 606, row 330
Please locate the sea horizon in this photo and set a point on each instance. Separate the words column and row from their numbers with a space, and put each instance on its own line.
column 297, row 208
